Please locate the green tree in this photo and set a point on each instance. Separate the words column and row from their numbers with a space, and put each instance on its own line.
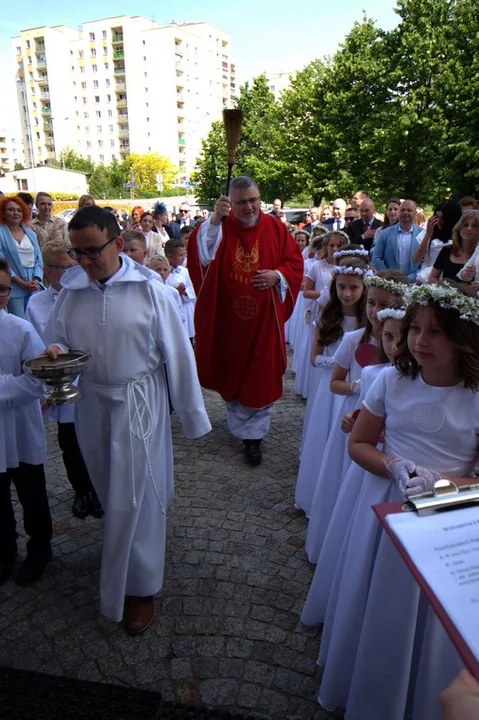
column 258, row 153
column 71, row 160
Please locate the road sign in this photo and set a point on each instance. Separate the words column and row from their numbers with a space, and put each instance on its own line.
column 130, row 185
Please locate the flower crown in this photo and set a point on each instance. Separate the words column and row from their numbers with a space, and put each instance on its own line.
column 446, row 297
column 389, row 285
column 360, row 251
column 391, row 314
column 348, row 270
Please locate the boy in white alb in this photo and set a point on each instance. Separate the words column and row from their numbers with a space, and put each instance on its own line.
column 55, row 262
column 22, row 445
column 116, row 310
column 179, row 278
column 161, row 266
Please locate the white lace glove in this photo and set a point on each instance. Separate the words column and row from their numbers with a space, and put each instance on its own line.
column 422, row 482
column 400, row 471
column 355, row 386
column 323, row 361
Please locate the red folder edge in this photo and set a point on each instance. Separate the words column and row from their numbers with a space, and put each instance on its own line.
column 457, row 640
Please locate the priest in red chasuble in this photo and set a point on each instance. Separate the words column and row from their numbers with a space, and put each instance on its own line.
column 246, row 270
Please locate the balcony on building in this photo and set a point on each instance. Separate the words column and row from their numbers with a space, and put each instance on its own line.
column 42, row 79
column 122, row 117
column 125, row 148
column 49, row 140
column 119, row 55
column 121, row 103
column 49, row 156
column 46, row 111
column 39, row 45
column 123, row 132
column 117, row 35
column 118, row 70
column 41, row 61
column 180, row 109
column 181, row 141
column 44, row 95
column 47, row 124
column 120, row 87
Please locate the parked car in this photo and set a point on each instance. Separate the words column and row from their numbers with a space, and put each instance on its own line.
column 67, row 214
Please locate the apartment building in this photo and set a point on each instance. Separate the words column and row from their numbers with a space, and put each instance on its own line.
column 121, row 85
column 11, row 150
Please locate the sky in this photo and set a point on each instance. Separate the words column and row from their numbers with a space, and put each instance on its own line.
column 266, row 36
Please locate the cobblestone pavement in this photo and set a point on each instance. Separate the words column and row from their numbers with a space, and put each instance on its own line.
column 227, row 629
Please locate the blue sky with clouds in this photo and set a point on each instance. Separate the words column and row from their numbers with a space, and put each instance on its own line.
column 266, row 36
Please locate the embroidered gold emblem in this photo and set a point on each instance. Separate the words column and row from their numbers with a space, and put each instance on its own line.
column 246, row 263
column 245, row 307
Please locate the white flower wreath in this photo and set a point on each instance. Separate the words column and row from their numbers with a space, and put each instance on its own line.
column 446, row 297
column 348, row 270
column 391, row 314
column 360, row 252
column 389, row 285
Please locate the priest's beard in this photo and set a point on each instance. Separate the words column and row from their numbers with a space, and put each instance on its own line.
column 251, row 221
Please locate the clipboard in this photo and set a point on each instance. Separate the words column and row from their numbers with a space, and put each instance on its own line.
column 385, row 509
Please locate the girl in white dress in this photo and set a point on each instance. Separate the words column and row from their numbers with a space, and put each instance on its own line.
column 290, row 327
column 343, row 313
column 428, row 409
column 316, row 602
column 317, row 279
column 384, row 289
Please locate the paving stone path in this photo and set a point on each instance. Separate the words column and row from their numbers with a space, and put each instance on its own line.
column 227, row 631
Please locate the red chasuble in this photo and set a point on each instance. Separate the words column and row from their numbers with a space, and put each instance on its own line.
column 240, row 347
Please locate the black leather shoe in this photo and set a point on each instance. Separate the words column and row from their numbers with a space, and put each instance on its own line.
column 81, row 506
column 7, row 563
column 253, row 453
column 32, row 568
column 96, row 508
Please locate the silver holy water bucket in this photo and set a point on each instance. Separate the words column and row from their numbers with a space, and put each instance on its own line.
column 59, row 375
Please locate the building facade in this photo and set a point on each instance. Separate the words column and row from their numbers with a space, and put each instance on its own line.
column 11, row 150
column 122, row 85
column 45, row 178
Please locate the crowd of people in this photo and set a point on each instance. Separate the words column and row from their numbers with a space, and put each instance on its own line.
column 382, row 316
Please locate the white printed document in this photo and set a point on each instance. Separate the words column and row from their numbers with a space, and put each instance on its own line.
column 444, row 547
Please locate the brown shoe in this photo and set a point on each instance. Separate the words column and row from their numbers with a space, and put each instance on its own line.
column 139, row 614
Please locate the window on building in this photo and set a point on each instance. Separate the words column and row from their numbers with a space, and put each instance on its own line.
column 29, row 58
column 112, row 143
column 83, row 86
column 87, row 129
column 92, row 36
column 28, row 43
column 19, row 49
column 95, row 83
column 93, row 52
column 98, row 128
column 97, row 98
column 82, row 69
column 103, row 33
column 108, row 98
column 147, row 119
column 80, row 53
column 86, row 114
column 102, row 158
column 100, row 143
column 84, row 100
column 31, row 76
column 71, row 52
column 111, row 128
column 144, row 58
column 34, row 105
column 76, row 113
column 98, row 113
column 144, row 42
column 88, row 144
column 38, row 135
column 78, row 128
column 106, row 66
column 145, row 74
column 107, row 82
column 110, row 113
column 75, row 98
column 36, row 121
column 105, row 51
column 94, row 68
